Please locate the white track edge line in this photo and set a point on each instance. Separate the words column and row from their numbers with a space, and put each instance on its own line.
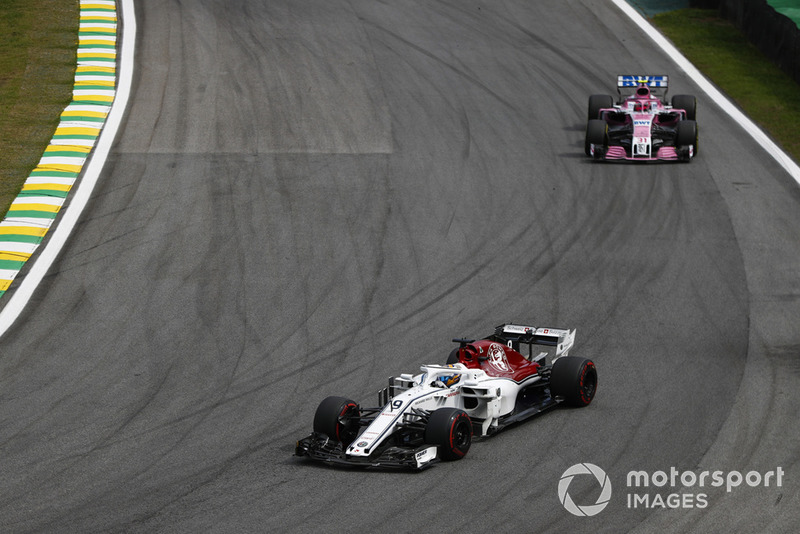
column 710, row 89
column 23, row 293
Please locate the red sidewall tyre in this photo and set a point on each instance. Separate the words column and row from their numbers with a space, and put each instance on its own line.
column 574, row 379
column 450, row 429
column 337, row 418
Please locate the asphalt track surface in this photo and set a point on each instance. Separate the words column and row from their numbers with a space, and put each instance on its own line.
column 308, row 197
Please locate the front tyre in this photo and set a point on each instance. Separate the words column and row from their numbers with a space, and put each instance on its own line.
column 338, row 418
column 450, row 429
column 574, row 379
column 686, row 135
column 596, row 134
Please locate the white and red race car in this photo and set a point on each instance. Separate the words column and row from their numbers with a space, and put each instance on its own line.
column 485, row 386
column 641, row 125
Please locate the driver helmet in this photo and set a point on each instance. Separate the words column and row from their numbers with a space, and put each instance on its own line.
column 449, row 380
column 642, row 98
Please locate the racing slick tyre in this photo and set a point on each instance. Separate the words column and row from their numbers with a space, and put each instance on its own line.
column 596, row 134
column 450, row 429
column 574, row 379
column 685, row 135
column 453, row 357
column 687, row 103
column 598, row 102
column 337, row 418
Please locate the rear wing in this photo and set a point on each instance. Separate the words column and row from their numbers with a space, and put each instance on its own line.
column 627, row 83
column 514, row 336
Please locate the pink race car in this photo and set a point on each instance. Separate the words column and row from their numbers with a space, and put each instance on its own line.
column 641, row 126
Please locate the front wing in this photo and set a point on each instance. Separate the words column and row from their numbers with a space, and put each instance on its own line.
column 323, row 449
column 660, row 146
column 615, row 152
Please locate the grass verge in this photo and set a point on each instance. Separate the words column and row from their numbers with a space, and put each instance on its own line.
column 38, row 42
column 718, row 49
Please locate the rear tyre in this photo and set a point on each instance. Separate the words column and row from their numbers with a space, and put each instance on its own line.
column 450, row 429
column 687, row 103
column 574, row 379
column 596, row 134
column 598, row 102
column 338, row 418
column 453, row 357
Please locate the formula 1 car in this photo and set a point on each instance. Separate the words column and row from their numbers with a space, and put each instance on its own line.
column 485, row 386
column 641, row 126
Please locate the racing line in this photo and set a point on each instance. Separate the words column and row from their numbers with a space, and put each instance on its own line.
column 11, row 311
column 305, row 198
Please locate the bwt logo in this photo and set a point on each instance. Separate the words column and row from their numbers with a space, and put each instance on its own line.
column 589, row 509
